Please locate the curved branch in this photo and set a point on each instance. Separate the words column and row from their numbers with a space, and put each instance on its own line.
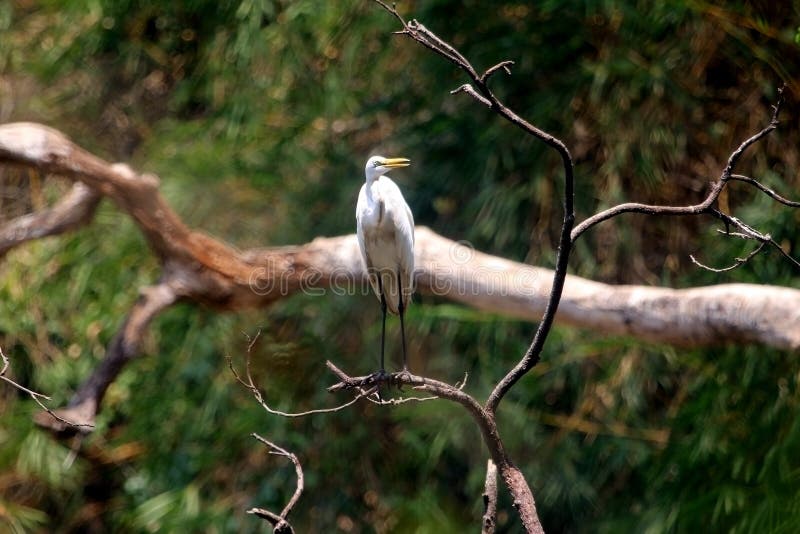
column 503, row 65
column 76, row 209
column 85, row 403
column 716, row 188
column 248, row 382
column 648, row 209
column 764, row 189
column 735, row 265
column 773, row 123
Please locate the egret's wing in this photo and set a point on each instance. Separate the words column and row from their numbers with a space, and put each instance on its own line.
column 405, row 248
column 361, row 206
column 404, row 238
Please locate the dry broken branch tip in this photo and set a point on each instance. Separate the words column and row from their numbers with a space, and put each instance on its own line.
column 280, row 523
column 63, row 423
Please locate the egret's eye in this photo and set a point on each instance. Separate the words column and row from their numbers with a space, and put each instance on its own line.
column 376, row 164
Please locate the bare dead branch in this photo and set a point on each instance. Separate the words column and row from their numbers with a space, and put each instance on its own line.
column 256, row 392
column 748, row 232
column 280, row 526
column 374, row 383
column 705, row 207
column 85, row 403
column 635, row 207
column 467, row 88
column 782, row 252
column 503, row 65
column 417, row 31
column 521, row 493
column 37, row 398
column 773, row 123
column 766, row 190
column 738, row 263
column 280, row 521
column 426, row 37
column 490, row 499
column 399, row 379
column 76, row 209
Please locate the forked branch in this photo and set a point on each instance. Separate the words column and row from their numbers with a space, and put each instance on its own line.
column 518, row 487
column 707, row 206
column 280, row 523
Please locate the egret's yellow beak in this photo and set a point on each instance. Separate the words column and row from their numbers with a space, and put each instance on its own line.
column 396, row 162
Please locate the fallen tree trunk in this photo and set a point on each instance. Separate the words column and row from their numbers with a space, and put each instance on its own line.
column 199, row 268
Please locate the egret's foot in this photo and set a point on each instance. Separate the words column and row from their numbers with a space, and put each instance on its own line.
column 375, row 378
column 402, row 376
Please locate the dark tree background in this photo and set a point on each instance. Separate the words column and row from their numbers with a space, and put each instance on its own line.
column 258, row 116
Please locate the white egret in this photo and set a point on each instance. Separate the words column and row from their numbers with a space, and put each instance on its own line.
column 385, row 228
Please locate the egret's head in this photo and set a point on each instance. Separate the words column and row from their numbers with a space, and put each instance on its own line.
column 378, row 165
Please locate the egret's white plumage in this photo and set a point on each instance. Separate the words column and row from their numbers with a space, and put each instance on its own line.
column 385, row 229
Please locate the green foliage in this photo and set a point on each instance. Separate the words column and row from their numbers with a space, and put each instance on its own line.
column 258, row 116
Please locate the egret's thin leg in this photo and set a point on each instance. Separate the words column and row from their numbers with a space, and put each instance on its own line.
column 402, row 309
column 383, row 327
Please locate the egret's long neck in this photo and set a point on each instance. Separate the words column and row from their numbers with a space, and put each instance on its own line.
column 371, row 178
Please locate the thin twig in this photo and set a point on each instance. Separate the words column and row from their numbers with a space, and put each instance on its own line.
column 36, row 396
column 396, row 401
column 773, row 123
column 746, row 229
column 740, row 235
column 783, row 253
column 769, row 192
column 250, row 385
column 503, row 65
column 738, row 263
